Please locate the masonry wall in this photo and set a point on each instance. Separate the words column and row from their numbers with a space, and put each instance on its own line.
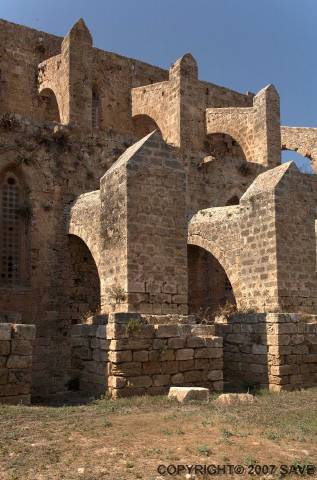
column 274, row 350
column 16, row 349
column 139, row 358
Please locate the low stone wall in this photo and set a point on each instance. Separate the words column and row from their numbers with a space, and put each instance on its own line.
column 130, row 357
column 274, row 350
column 89, row 359
column 16, row 348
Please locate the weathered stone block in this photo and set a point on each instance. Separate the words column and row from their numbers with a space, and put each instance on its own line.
column 208, row 352
column 4, row 348
column 161, row 380
column 27, row 332
column 186, row 394
column 5, row 331
column 185, row 354
column 120, row 356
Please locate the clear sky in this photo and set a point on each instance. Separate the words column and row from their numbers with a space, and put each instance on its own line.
column 241, row 44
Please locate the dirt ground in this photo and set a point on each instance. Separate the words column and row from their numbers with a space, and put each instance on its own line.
column 130, row 438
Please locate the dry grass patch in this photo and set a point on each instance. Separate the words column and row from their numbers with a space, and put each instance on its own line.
column 129, row 438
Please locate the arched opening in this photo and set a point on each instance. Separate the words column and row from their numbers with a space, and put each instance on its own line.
column 234, row 200
column 85, row 282
column 209, row 287
column 303, row 164
column 222, row 145
column 49, row 106
column 143, row 125
column 95, row 109
column 15, row 215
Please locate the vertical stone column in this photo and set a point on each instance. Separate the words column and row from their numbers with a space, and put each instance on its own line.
column 266, row 127
column 76, row 58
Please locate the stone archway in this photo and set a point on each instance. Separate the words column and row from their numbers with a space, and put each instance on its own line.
column 209, row 287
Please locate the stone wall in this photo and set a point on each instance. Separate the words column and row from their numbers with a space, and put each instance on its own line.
column 133, row 357
column 16, row 349
column 89, row 357
column 274, row 350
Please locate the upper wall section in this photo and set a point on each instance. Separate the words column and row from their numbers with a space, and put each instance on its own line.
column 178, row 105
column 301, row 140
column 256, row 128
column 112, row 76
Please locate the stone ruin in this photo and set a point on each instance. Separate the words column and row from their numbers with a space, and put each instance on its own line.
column 150, row 235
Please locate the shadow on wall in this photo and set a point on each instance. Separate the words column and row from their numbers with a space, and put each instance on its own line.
column 84, row 282
column 208, row 285
column 48, row 106
column 143, row 125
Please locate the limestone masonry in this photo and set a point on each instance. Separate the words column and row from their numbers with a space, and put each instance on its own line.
column 150, row 235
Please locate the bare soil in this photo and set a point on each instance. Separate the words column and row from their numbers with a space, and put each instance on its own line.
column 130, row 438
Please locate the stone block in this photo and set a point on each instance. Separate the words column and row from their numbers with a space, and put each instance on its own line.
column 141, row 356
column 177, row 379
column 3, row 376
column 150, row 368
column 120, row 356
column 194, row 376
column 170, row 367
column 185, row 365
column 117, row 382
column 101, row 331
column 215, row 375
column 186, row 394
column 259, row 349
column 161, row 380
column 167, row 355
column 124, row 317
column 131, row 344
column 21, row 347
column 4, row 347
column 167, row 331
column 27, row 332
column 177, row 342
column 126, row 369
column 208, row 352
column 140, row 381
column 5, row 331
column 19, row 361
column 185, row 354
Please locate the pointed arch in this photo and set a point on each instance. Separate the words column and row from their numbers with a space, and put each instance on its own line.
column 49, row 106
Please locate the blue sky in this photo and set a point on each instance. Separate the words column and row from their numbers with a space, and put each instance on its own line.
column 241, row 44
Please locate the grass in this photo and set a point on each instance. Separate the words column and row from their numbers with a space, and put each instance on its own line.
column 129, row 438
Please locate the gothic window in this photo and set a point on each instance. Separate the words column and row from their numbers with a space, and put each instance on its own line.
column 12, row 231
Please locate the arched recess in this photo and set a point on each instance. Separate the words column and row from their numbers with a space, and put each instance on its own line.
column 49, row 106
column 84, row 293
column 227, row 268
column 143, row 125
column 96, row 119
column 223, row 145
column 303, row 162
column 209, row 287
column 15, row 220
